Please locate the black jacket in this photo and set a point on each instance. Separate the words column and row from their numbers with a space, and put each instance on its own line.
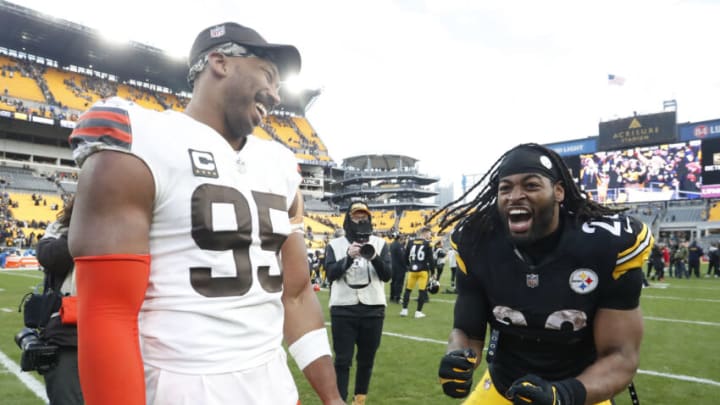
column 53, row 255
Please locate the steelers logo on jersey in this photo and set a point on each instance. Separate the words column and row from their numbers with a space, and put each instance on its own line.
column 583, row 281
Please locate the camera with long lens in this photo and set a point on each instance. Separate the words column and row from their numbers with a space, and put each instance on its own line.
column 367, row 251
column 362, row 232
column 36, row 354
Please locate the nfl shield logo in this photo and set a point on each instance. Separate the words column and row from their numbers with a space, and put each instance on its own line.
column 217, row 31
column 532, row 280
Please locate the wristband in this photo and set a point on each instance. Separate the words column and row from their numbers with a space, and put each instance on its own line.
column 310, row 347
column 297, row 228
column 573, row 390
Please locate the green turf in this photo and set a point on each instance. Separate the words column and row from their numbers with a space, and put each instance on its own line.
column 405, row 369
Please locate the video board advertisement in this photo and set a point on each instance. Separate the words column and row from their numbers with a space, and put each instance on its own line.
column 711, row 167
column 648, row 173
column 651, row 129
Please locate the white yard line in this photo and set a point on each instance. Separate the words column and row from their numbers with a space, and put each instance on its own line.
column 680, row 377
column 703, row 323
column 660, row 297
column 685, row 287
column 23, row 273
column 35, row 386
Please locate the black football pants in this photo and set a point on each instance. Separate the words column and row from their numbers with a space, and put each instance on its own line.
column 398, row 281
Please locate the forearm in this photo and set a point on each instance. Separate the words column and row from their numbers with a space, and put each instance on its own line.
column 459, row 340
column 303, row 314
column 618, row 334
column 112, row 289
column 321, row 375
column 608, row 376
column 382, row 271
column 304, row 323
column 334, row 267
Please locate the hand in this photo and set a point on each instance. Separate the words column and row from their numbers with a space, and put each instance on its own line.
column 456, row 369
column 533, row 390
column 354, row 250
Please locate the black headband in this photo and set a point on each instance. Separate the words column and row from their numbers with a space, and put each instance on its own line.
column 525, row 159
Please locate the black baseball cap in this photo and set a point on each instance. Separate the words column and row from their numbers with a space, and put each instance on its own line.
column 285, row 57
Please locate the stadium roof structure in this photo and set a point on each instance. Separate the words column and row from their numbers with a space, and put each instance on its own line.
column 382, row 162
column 297, row 102
column 68, row 43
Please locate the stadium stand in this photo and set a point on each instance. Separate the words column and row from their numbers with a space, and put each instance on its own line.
column 66, row 87
column 16, row 81
column 139, row 96
column 384, row 220
column 412, row 220
column 692, row 212
column 331, row 220
column 714, row 212
column 39, row 207
column 25, row 179
column 307, row 131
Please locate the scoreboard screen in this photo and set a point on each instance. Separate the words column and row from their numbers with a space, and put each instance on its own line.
column 648, row 173
column 711, row 167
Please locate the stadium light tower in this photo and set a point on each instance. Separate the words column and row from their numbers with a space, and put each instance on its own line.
column 293, row 84
column 468, row 180
column 670, row 105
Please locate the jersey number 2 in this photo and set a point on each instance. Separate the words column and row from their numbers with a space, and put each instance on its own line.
column 238, row 240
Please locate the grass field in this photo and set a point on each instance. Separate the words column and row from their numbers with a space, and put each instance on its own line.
column 679, row 360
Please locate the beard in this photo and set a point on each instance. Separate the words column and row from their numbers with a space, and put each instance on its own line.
column 541, row 222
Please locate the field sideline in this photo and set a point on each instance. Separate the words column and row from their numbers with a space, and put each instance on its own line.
column 678, row 366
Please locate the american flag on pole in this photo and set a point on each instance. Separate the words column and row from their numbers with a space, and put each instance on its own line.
column 616, row 80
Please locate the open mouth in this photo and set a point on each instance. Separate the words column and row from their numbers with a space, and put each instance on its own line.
column 519, row 220
column 261, row 109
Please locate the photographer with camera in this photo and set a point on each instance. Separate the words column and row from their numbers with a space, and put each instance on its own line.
column 53, row 352
column 357, row 265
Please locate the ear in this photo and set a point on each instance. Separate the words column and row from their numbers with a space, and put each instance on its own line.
column 217, row 64
column 559, row 191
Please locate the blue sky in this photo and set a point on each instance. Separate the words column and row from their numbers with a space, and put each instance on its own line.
column 431, row 79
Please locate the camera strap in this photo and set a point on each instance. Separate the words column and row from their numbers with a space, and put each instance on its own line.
column 357, row 276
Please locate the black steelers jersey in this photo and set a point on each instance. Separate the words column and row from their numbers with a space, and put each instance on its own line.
column 419, row 255
column 542, row 314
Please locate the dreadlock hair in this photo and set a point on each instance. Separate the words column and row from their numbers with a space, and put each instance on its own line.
column 64, row 216
column 481, row 214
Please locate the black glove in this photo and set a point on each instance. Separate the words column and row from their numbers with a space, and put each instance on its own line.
column 456, row 369
column 533, row 390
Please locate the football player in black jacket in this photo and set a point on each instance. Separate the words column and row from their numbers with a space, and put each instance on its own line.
column 556, row 276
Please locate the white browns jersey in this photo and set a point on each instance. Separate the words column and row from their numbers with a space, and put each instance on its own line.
column 219, row 220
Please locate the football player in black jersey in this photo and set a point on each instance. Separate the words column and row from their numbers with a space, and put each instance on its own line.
column 556, row 276
column 419, row 257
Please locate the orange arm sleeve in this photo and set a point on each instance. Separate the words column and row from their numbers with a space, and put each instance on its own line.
column 111, row 289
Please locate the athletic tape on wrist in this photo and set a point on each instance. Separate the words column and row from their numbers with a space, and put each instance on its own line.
column 298, row 228
column 310, row 347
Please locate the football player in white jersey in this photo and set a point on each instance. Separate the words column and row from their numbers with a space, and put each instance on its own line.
column 188, row 242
